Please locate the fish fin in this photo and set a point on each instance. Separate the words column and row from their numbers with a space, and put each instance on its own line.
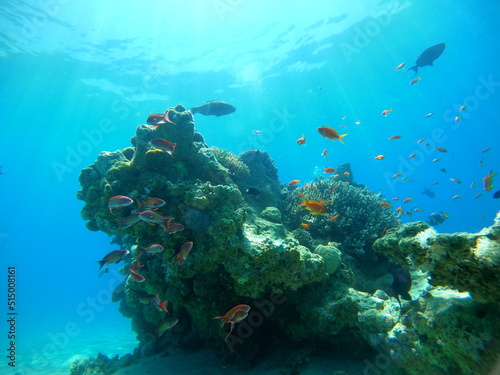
column 101, row 263
column 414, row 68
column 341, row 138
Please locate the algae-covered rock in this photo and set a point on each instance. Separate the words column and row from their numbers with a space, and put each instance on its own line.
column 331, row 256
column 271, row 214
column 463, row 261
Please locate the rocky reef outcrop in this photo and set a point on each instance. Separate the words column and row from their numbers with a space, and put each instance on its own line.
column 307, row 278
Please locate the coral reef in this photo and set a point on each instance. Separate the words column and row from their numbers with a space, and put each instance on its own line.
column 355, row 217
column 463, row 261
column 101, row 365
column 307, row 278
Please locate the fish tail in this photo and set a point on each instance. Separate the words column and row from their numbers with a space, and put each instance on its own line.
column 340, row 138
column 414, row 68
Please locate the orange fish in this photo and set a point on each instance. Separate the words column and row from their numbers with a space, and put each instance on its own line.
column 379, row 157
column 119, row 201
column 330, row 133
column 164, row 145
column 412, row 155
column 394, row 137
column 294, row 182
column 414, row 81
column 462, row 108
column 407, row 200
column 336, row 175
column 440, row 149
column 305, row 225
column 456, row 180
column 421, row 140
column 325, row 153
column 458, row 118
column 183, row 253
column 400, row 66
column 302, row 140
column 397, row 175
column 135, row 276
column 335, row 217
column 346, row 173
column 316, row 208
column 329, row 170
column 488, row 181
column 435, row 160
column 395, row 199
column 300, row 194
column 163, row 306
column 157, row 119
column 233, row 316
column 385, row 204
column 457, row 196
column 386, row 112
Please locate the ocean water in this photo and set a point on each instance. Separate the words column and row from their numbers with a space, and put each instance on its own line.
column 77, row 78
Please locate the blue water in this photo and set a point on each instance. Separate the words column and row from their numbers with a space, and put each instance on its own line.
column 77, row 77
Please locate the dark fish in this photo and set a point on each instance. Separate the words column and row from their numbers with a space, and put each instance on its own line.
column 215, row 108
column 253, row 191
column 436, row 219
column 429, row 193
column 428, row 57
column 496, row 195
column 401, row 284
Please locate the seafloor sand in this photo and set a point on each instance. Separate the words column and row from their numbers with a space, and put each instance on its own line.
column 205, row 362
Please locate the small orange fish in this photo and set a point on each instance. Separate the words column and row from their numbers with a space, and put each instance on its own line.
column 485, row 150
column 163, row 306
column 305, row 225
column 379, row 157
column 325, row 153
column 414, row 81
column 457, row 196
column 329, row 170
column 300, row 194
column 119, row 201
column 407, row 200
column 336, row 175
column 462, row 108
column 436, row 160
column 315, row 207
column 302, row 140
column 183, row 253
column 400, row 66
column 397, row 175
column 314, row 186
column 458, row 118
column 440, row 149
column 335, row 217
column 164, row 145
column 135, row 276
column 294, row 182
column 412, row 155
column 385, row 204
column 233, row 316
column 394, row 137
column 386, row 112
column 421, row 140
column 346, row 173
column 395, row 199
column 456, row 180
column 330, row 133
column 488, row 181
column 417, row 210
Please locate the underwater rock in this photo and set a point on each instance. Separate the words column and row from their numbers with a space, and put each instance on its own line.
column 271, row 214
column 354, row 219
column 463, row 261
column 331, row 256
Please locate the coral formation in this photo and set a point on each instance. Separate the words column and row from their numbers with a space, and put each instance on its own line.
column 463, row 261
column 305, row 274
